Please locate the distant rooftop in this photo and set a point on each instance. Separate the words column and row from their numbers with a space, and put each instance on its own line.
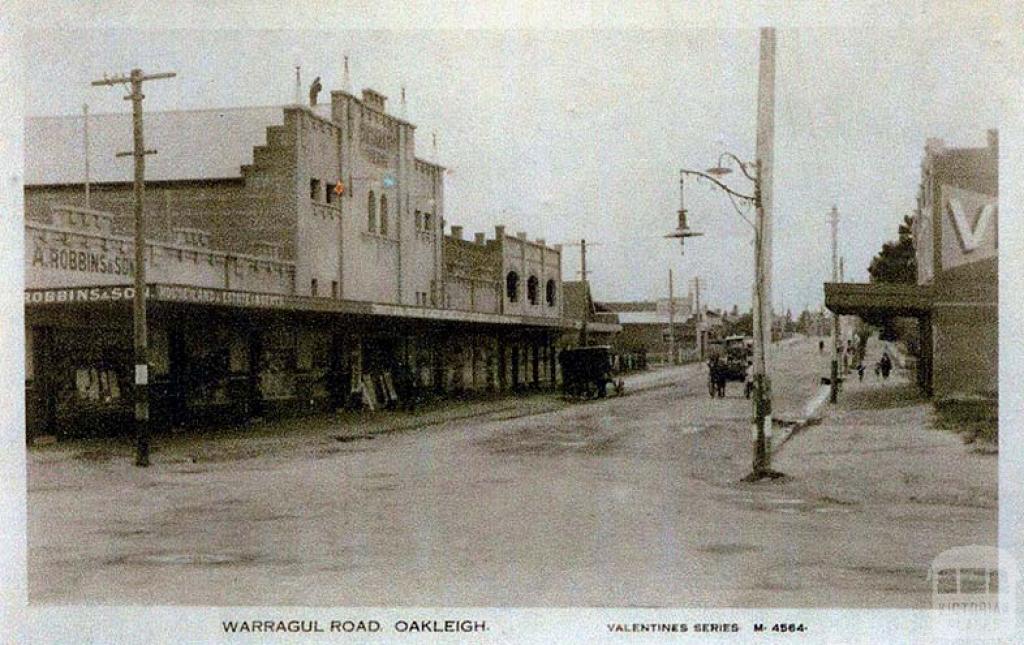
column 201, row 144
column 191, row 144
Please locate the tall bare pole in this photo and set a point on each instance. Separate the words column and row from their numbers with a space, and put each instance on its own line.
column 584, row 341
column 586, row 287
column 698, row 318
column 141, row 343
column 671, row 320
column 834, row 372
column 762, row 314
column 85, row 136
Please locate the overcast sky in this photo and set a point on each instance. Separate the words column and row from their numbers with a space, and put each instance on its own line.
column 570, row 134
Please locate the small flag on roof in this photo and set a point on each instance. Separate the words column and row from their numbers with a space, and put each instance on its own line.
column 339, row 188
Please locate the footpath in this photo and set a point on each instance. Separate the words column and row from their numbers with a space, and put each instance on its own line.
column 880, row 444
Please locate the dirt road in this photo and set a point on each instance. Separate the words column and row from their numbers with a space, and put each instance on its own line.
column 634, row 501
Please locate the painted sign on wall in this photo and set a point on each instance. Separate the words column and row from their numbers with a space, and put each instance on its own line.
column 969, row 225
column 46, row 256
column 378, row 142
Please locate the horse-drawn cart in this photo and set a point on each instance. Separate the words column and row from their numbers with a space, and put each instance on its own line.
column 727, row 361
column 587, row 372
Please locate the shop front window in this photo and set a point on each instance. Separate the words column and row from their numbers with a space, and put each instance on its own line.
column 512, row 286
column 531, row 289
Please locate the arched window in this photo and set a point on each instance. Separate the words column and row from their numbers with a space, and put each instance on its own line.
column 512, row 286
column 371, row 213
column 532, row 287
column 383, row 214
column 549, row 293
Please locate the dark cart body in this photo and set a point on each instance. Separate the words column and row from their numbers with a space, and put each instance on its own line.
column 587, row 371
column 727, row 360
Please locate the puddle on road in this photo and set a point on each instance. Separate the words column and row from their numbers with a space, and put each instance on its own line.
column 380, row 488
column 728, row 549
column 180, row 559
column 594, row 439
column 353, row 437
column 496, row 480
column 791, row 505
column 125, row 533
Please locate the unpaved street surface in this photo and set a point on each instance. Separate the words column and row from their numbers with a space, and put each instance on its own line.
column 632, row 501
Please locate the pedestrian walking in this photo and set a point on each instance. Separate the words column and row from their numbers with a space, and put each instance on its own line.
column 860, row 371
column 885, row 365
column 821, row 346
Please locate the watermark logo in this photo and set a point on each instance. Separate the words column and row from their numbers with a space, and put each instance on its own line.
column 974, row 592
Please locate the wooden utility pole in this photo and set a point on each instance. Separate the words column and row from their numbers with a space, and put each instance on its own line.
column 141, row 343
column 85, row 136
column 586, row 287
column 834, row 372
column 698, row 318
column 584, row 341
column 762, row 314
column 671, row 320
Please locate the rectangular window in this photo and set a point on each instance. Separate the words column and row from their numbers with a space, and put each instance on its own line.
column 419, row 220
column 314, row 189
column 312, row 287
column 426, row 222
column 334, row 288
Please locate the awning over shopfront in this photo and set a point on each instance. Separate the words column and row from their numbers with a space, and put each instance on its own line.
column 878, row 299
column 205, row 296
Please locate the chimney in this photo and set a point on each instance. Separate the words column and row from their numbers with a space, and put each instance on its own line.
column 401, row 109
column 993, row 140
column 480, row 238
column 457, row 232
column 499, row 233
column 374, row 99
column 346, row 81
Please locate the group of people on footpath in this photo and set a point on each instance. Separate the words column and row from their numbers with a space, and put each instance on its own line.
column 883, row 367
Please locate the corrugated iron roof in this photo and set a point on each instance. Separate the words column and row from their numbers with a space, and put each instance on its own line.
column 191, row 144
column 645, row 318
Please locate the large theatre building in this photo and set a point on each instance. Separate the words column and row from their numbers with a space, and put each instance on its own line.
column 956, row 298
column 296, row 260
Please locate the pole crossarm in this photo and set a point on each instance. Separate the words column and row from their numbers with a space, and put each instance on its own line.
column 703, row 175
column 119, row 80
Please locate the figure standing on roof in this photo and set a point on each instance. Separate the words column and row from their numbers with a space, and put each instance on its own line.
column 314, row 90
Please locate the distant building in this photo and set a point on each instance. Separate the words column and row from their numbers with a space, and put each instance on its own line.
column 646, row 330
column 578, row 306
column 955, row 300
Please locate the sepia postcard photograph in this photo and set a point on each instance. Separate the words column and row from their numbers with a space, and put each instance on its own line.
column 548, row 322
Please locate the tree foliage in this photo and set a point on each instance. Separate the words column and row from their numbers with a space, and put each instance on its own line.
column 896, row 261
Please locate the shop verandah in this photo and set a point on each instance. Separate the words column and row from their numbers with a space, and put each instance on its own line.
column 888, row 301
column 220, row 356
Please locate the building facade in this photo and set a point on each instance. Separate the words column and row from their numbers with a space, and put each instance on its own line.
column 956, row 297
column 296, row 260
